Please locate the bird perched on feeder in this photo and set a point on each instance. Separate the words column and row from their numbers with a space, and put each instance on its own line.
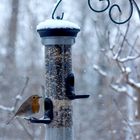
column 28, row 108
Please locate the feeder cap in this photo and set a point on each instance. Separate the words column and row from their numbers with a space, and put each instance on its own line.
column 57, row 27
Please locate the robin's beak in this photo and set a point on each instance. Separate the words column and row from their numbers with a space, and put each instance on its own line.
column 40, row 97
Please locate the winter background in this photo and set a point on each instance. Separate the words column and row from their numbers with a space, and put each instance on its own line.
column 105, row 63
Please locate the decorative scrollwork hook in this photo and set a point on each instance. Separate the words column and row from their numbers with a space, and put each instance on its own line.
column 117, row 6
column 99, row 11
column 137, row 8
column 132, row 3
column 53, row 13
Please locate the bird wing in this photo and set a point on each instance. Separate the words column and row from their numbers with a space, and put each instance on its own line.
column 25, row 108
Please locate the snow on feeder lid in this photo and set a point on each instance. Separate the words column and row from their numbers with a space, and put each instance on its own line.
column 56, row 27
column 54, row 32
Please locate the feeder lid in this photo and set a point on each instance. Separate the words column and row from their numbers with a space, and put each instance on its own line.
column 57, row 28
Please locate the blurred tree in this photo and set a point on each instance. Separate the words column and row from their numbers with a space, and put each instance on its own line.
column 12, row 35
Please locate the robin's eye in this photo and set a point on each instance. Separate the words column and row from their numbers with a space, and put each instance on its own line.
column 34, row 97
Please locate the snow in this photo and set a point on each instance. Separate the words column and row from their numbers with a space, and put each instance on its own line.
column 119, row 89
column 135, row 98
column 135, row 83
column 55, row 23
column 6, row 108
column 114, row 131
column 103, row 73
column 100, row 96
column 128, row 58
column 19, row 97
column 128, row 70
column 133, row 123
column 137, row 136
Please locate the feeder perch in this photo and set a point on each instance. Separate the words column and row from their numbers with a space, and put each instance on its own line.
column 48, row 113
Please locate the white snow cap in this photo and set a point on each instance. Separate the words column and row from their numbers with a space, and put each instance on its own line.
column 55, row 24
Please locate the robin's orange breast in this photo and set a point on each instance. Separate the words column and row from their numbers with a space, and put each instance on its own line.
column 35, row 107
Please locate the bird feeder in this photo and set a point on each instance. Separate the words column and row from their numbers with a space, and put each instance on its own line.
column 58, row 36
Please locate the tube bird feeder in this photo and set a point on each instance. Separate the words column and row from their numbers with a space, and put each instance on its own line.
column 58, row 36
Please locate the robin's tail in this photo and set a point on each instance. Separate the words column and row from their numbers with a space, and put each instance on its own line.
column 10, row 120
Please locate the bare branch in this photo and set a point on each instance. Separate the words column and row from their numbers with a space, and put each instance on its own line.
column 134, row 85
column 122, row 44
column 119, row 89
column 12, row 109
column 19, row 96
column 133, row 46
column 128, row 58
column 9, row 109
column 99, row 70
column 123, row 89
column 124, row 119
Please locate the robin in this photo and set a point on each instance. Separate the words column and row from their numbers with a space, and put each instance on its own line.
column 28, row 108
